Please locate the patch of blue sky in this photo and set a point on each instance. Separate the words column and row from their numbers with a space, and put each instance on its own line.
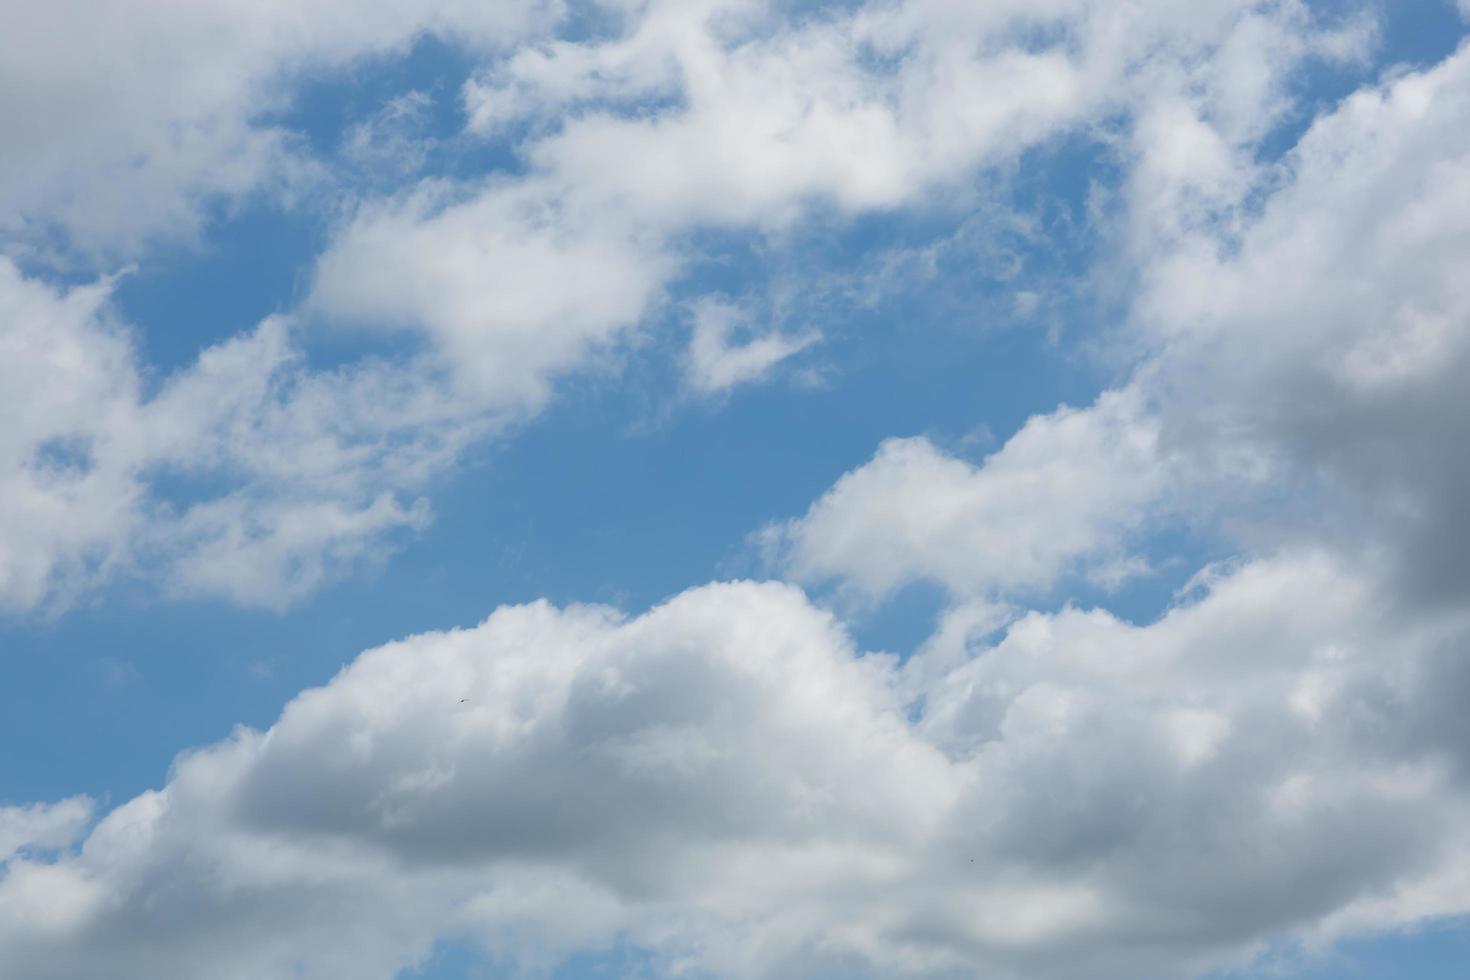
column 1433, row 951
column 901, row 623
column 622, row 961
column 257, row 261
column 587, row 21
column 326, row 104
column 1437, row 952
column 69, row 456
column 1417, row 33
column 463, row 960
column 1410, row 34
column 1150, row 579
column 458, row 960
column 257, row 255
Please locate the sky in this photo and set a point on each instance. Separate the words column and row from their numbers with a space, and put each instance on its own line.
column 735, row 489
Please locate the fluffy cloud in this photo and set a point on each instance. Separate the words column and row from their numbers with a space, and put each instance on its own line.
column 71, row 383
column 245, row 475
column 511, row 288
column 736, row 115
column 1068, row 487
column 1262, row 729
column 1299, row 376
column 731, row 115
column 120, row 119
column 443, row 771
column 723, row 782
column 1326, row 345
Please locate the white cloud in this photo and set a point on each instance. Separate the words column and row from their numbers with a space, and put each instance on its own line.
column 681, row 118
column 244, row 475
column 723, row 782
column 732, row 115
column 1325, row 342
column 738, row 117
column 1068, row 487
column 662, row 727
column 42, row 826
column 511, row 288
column 71, row 389
column 273, row 553
column 715, row 363
column 118, row 120
column 1300, row 374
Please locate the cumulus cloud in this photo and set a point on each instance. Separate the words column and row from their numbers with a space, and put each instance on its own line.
column 1068, row 486
column 244, row 475
column 685, row 117
column 1299, row 375
column 120, row 121
column 1330, row 341
column 664, row 726
column 726, row 116
column 724, row 782
column 511, row 289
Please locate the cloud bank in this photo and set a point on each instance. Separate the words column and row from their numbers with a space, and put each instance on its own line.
column 726, row 781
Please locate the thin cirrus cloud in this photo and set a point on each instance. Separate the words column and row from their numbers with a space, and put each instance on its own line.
column 727, row 781
column 724, row 354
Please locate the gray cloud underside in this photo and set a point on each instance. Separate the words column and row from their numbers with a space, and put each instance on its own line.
column 725, row 782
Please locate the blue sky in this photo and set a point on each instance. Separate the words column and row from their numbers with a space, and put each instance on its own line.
column 1087, row 377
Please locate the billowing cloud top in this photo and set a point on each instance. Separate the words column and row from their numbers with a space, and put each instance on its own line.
column 1258, row 268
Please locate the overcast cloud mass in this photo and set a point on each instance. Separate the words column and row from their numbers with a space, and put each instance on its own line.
column 1074, row 581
